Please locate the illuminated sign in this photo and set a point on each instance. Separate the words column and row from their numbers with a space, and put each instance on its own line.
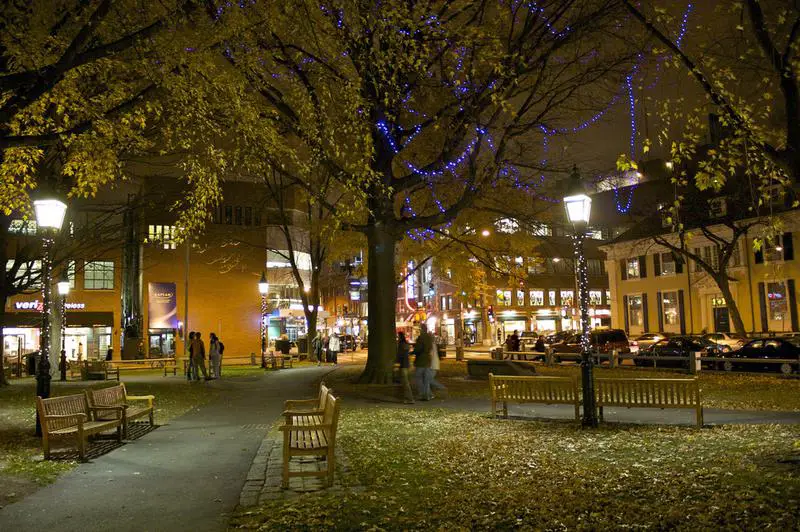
column 355, row 295
column 38, row 306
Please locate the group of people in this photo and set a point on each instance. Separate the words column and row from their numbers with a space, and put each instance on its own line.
column 327, row 347
column 426, row 362
column 197, row 357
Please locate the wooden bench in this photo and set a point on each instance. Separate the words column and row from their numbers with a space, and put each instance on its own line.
column 71, row 415
column 649, row 393
column 533, row 389
column 98, row 370
column 306, row 412
column 317, row 439
column 115, row 397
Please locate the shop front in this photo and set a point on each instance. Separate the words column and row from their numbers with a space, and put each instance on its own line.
column 547, row 320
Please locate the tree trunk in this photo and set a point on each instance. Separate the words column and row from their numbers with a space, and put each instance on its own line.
column 381, row 305
column 311, row 321
column 733, row 309
column 4, row 224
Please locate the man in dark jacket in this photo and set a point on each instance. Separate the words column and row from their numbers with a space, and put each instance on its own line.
column 422, row 361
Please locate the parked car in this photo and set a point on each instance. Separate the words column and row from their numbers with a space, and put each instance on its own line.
column 348, row 342
column 527, row 340
column 766, row 348
column 647, row 339
column 679, row 346
column 557, row 337
column 734, row 341
column 604, row 340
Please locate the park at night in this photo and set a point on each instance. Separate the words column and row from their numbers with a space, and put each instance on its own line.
column 399, row 265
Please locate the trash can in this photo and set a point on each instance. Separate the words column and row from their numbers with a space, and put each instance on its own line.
column 497, row 353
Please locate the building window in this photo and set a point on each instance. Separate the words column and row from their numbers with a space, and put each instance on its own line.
column 635, row 314
column 595, row 297
column 669, row 308
column 632, row 268
column 551, row 298
column 536, row 298
column 776, row 296
column 710, row 257
column 98, row 275
column 567, row 298
column 594, row 234
column 238, row 215
column 228, row 214
column 536, row 266
column 28, row 275
column 507, row 225
column 248, row 216
column 608, row 297
column 449, row 302
column 667, row 263
column 443, row 305
column 520, row 298
column 215, row 216
column 503, row 298
column 542, row 230
column 22, row 227
column 163, row 235
column 71, row 273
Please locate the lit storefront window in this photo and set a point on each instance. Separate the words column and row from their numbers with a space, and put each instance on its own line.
column 670, row 309
column 595, row 297
column 536, row 298
column 635, row 313
column 503, row 298
column 776, row 297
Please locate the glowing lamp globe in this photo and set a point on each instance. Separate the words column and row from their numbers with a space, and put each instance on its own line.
column 263, row 285
column 63, row 284
column 578, row 207
column 49, row 213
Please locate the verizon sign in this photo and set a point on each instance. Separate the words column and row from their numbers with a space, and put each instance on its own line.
column 38, row 306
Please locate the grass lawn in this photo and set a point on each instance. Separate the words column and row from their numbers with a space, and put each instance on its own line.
column 22, row 469
column 740, row 391
column 439, row 470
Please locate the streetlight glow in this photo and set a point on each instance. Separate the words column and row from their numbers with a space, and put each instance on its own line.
column 63, row 284
column 263, row 285
column 50, row 213
column 578, row 207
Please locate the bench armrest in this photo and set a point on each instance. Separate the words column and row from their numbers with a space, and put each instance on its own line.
column 148, row 398
column 297, row 402
column 108, row 407
column 300, row 428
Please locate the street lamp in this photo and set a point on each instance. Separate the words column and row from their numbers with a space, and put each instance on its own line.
column 63, row 291
column 49, row 217
column 263, row 288
column 578, row 206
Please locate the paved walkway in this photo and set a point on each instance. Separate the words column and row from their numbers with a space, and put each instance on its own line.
column 186, row 475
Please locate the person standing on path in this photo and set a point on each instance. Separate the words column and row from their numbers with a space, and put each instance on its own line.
column 316, row 348
column 422, row 362
column 213, row 356
column 434, row 369
column 191, row 371
column 403, row 359
column 512, row 345
column 198, row 357
column 333, row 346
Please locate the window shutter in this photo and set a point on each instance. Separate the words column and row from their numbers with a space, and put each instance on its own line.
column 792, row 303
column 788, row 247
column 660, row 308
column 657, row 264
column 681, row 313
column 760, row 255
column 678, row 263
column 643, row 266
column 645, row 317
column 623, row 268
column 625, row 312
column 762, row 303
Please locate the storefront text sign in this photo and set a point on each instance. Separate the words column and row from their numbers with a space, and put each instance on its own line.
column 162, row 306
column 38, row 306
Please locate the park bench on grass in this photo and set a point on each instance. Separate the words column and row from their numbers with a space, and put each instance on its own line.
column 98, row 370
column 533, row 389
column 305, row 412
column 106, row 401
column 649, row 393
column 318, row 439
column 71, row 415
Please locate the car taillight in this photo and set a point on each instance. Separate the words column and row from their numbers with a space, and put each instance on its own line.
column 634, row 343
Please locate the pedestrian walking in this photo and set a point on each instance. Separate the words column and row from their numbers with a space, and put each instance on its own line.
column 199, row 356
column 334, row 345
column 422, row 363
column 539, row 347
column 403, row 350
column 512, row 344
column 434, row 369
column 190, row 369
column 213, row 356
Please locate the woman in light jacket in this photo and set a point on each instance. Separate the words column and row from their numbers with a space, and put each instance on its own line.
column 213, row 356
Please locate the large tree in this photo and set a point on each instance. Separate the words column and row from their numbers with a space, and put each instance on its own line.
column 416, row 109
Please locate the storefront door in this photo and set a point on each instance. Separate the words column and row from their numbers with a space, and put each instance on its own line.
column 721, row 321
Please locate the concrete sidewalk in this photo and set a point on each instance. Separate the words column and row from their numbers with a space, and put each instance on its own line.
column 186, row 475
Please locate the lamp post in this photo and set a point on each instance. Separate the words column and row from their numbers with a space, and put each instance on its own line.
column 578, row 206
column 49, row 217
column 63, row 291
column 263, row 288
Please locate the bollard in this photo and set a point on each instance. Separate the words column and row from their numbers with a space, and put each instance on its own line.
column 695, row 364
column 614, row 358
column 252, row 358
column 548, row 356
